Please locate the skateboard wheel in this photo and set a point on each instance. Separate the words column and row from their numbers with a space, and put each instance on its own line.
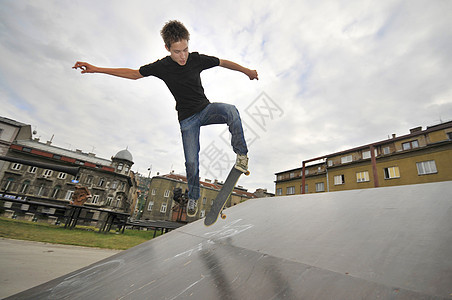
column 247, row 173
column 223, row 216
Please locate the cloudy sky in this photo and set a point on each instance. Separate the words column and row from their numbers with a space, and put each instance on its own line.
column 332, row 75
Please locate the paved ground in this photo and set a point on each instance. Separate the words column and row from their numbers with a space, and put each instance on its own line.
column 26, row 264
column 380, row 243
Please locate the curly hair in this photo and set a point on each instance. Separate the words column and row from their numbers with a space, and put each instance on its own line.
column 174, row 31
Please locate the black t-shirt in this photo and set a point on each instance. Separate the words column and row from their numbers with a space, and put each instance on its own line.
column 184, row 82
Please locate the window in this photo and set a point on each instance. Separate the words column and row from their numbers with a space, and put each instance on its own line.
column 114, row 185
column 150, row 205
column 204, row 201
column 163, row 208
column 278, row 192
column 123, row 186
column 47, row 173
column 330, row 163
column 305, row 188
column 386, row 150
column 392, row 172
column 153, row 191
column 346, row 159
column 24, row 187
column 339, row 179
column 320, row 187
column 366, row 154
column 120, row 166
column 449, row 135
column 362, row 176
column 290, row 190
column 56, row 191
column 89, row 179
column 69, row 195
column 95, row 199
column 7, row 184
column 101, row 182
column 410, row 145
column 109, row 200
column 62, row 175
column 32, row 170
column 426, row 167
column 41, row 190
column 291, row 175
column 167, row 193
column 16, row 167
column 203, row 213
column 117, row 202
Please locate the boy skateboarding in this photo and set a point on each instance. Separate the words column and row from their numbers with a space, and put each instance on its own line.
column 180, row 71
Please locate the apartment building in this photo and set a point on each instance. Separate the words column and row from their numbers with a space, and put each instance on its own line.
column 419, row 157
column 161, row 206
column 111, row 182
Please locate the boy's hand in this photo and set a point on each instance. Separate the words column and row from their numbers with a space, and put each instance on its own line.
column 252, row 74
column 85, row 67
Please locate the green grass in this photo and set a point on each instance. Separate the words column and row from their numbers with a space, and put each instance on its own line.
column 79, row 236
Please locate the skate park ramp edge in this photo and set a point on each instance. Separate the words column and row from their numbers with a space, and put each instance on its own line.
column 380, row 243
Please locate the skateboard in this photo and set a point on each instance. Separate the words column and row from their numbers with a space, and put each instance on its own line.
column 222, row 197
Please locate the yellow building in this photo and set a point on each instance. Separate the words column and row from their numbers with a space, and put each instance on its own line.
column 161, row 206
column 418, row 157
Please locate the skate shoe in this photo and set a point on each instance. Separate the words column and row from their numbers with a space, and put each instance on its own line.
column 241, row 163
column 192, row 208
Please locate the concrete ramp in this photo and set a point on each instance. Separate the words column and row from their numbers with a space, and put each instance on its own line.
column 384, row 243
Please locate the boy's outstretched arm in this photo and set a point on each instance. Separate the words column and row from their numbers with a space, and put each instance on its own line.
column 119, row 72
column 252, row 74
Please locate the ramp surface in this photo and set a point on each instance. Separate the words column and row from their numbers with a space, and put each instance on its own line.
column 384, row 243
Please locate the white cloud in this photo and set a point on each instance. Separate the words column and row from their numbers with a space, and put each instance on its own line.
column 344, row 73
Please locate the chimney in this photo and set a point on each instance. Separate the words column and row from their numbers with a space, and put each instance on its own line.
column 416, row 129
column 393, row 135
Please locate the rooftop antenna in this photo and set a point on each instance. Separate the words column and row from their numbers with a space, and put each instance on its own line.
column 150, row 170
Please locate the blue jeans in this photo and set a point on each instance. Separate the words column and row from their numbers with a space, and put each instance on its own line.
column 214, row 113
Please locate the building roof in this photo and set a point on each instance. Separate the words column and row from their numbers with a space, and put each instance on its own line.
column 64, row 152
column 124, row 155
column 12, row 122
column 216, row 186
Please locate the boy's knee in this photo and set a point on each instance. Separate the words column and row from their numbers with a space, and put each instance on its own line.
column 191, row 166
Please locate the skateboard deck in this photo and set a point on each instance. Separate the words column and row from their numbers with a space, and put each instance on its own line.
column 222, row 197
